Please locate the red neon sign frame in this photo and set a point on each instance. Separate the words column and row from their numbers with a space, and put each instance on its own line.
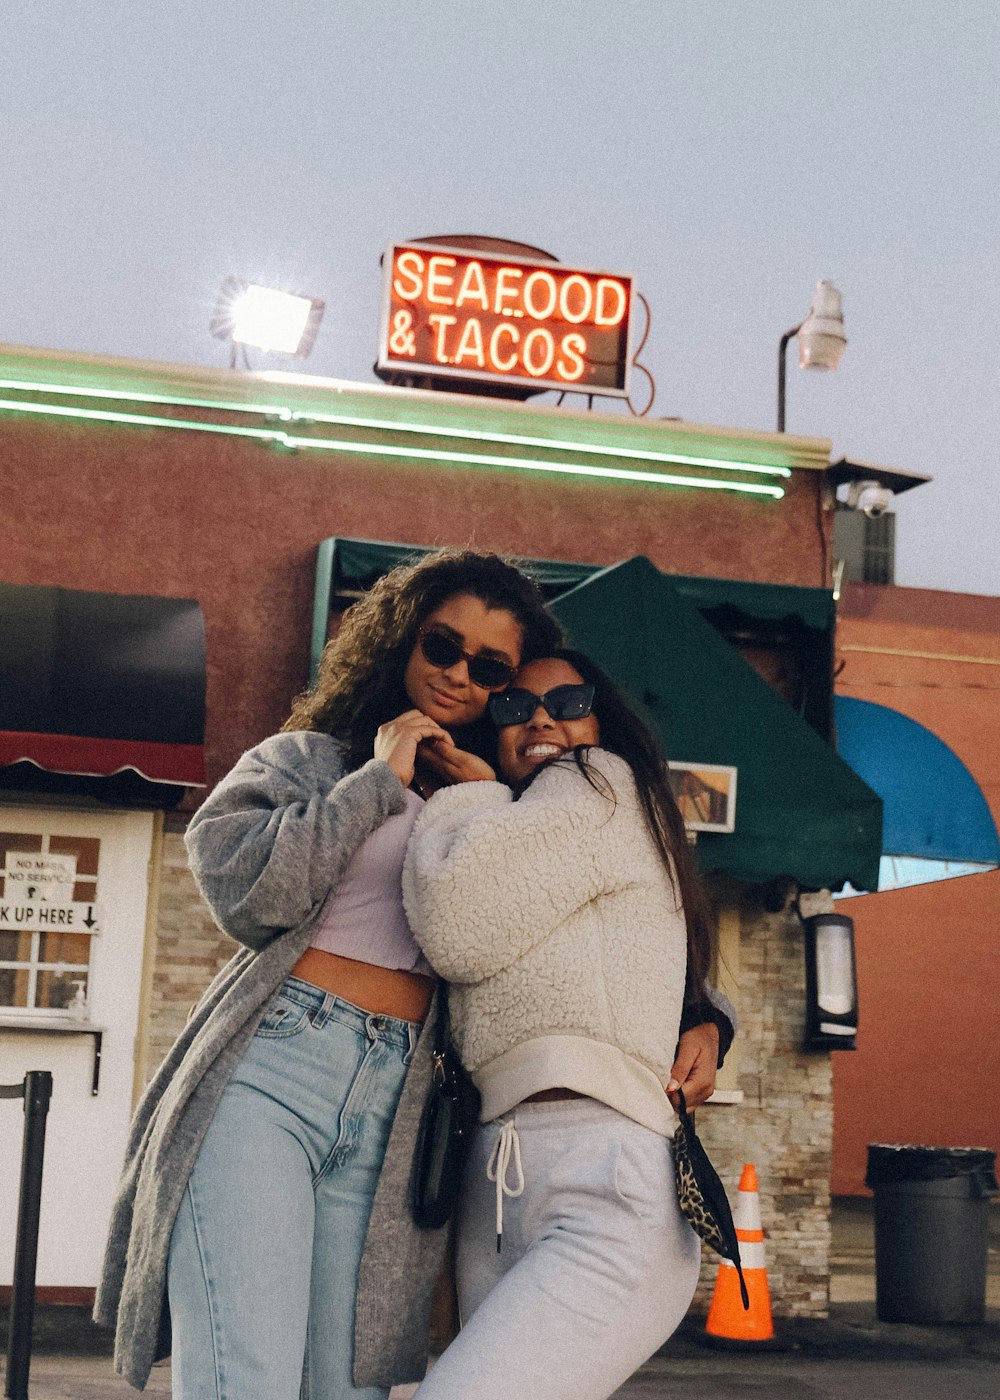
column 454, row 313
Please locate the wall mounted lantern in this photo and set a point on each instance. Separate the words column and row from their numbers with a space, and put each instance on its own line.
column 831, row 983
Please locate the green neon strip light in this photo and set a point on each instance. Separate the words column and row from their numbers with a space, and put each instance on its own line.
column 283, row 439
column 520, row 440
column 136, row 396
column 141, row 420
column 478, row 459
column 389, row 425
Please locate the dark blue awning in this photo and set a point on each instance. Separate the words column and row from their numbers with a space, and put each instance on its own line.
column 936, row 822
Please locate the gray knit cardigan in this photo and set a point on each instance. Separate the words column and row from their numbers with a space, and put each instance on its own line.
column 266, row 848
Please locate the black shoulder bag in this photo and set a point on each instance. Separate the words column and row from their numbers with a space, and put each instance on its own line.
column 447, row 1125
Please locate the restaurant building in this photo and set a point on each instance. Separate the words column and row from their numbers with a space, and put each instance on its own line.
column 179, row 543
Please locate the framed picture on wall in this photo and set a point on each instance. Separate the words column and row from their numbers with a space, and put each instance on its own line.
column 706, row 795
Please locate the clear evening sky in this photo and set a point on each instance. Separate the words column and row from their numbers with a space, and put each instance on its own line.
column 728, row 153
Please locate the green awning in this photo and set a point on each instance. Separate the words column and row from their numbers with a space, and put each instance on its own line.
column 771, row 602
column 800, row 810
column 353, row 565
column 356, row 564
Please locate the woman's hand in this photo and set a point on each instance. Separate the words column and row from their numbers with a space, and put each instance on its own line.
column 695, row 1066
column 451, row 764
column 396, row 742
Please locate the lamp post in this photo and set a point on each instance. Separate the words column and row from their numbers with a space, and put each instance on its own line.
column 821, row 339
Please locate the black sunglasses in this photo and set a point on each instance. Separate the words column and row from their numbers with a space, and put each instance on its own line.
column 488, row 672
column 562, row 702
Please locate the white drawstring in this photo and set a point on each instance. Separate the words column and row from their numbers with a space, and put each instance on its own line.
column 507, row 1146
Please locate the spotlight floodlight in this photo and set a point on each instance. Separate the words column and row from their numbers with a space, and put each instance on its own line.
column 283, row 322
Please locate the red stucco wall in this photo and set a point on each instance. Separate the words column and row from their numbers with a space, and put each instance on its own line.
column 928, row 1060
column 235, row 524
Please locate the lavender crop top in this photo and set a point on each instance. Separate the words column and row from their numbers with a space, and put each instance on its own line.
column 363, row 918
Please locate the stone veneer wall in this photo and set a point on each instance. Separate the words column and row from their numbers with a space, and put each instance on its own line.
column 784, row 1125
column 189, row 951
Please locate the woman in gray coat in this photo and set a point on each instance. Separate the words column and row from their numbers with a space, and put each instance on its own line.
column 263, row 1217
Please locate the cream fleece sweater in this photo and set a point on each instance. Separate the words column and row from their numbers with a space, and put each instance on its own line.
column 556, row 923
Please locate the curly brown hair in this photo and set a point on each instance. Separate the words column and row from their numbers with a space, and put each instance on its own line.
column 360, row 682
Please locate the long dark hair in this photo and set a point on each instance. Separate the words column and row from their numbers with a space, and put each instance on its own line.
column 625, row 733
column 360, row 680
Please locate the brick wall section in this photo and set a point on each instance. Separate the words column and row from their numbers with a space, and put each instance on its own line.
column 189, row 951
column 784, row 1125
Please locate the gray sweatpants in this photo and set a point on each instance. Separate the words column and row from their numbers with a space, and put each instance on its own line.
column 598, row 1265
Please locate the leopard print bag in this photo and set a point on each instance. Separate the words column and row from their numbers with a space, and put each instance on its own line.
column 702, row 1196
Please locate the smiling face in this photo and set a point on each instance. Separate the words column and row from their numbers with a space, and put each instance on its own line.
column 523, row 748
column 446, row 693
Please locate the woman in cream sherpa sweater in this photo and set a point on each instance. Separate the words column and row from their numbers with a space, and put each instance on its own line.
column 564, row 909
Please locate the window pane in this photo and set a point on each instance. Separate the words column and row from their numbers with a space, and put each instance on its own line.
column 18, row 841
column 64, row 948
column 13, row 987
column 57, row 990
column 85, row 848
column 15, row 946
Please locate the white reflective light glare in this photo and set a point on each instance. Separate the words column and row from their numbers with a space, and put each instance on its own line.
column 821, row 335
column 270, row 320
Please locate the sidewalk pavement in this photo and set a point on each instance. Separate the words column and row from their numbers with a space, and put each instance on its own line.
column 850, row 1353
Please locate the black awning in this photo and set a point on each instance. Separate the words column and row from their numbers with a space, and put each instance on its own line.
column 99, row 684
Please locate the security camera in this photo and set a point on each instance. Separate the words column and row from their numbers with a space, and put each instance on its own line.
column 870, row 497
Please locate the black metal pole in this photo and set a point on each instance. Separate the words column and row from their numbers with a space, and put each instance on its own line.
column 783, row 346
column 37, row 1092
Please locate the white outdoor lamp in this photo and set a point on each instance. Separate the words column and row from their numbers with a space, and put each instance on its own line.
column 821, row 339
column 831, row 983
column 249, row 314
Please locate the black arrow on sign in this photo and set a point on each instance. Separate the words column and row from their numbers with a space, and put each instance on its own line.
column 90, row 921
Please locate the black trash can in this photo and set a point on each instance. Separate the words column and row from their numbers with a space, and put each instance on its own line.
column 931, row 1231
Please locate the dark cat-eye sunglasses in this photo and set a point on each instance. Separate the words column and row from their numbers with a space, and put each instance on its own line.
column 562, row 702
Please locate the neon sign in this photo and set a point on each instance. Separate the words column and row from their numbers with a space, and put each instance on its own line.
column 449, row 312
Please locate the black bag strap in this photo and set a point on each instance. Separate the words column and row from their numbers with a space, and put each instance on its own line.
column 684, row 1114
column 442, row 1021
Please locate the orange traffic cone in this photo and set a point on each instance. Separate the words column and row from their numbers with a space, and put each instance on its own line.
column 729, row 1323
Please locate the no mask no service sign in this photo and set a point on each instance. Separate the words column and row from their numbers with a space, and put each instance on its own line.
column 37, row 896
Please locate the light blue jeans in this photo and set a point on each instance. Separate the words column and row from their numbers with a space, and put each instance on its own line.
column 265, row 1250
column 598, row 1264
